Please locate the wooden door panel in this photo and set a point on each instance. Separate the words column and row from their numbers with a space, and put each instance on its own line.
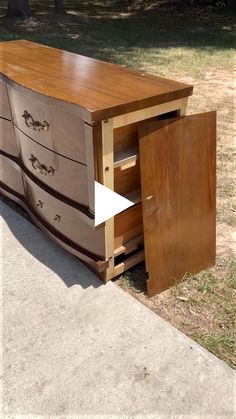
column 178, row 181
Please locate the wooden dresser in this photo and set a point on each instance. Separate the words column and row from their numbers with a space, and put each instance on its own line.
column 67, row 121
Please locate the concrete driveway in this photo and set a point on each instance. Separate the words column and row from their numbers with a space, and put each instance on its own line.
column 73, row 347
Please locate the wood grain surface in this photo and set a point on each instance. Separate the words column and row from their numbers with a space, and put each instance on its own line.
column 178, row 180
column 104, row 90
column 128, row 225
column 127, row 180
column 66, row 177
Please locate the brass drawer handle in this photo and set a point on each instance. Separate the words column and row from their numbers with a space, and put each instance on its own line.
column 57, row 218
column 41, row 168
column 40, row 204
column 35, row 125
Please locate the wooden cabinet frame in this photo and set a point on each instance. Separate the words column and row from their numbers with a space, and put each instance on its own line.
column 107, row 164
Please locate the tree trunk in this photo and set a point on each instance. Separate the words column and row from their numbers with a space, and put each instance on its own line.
column 232, row 4
column 59, row 6
column 18, row 8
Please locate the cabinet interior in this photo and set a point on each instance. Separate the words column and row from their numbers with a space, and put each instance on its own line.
column 128, row 225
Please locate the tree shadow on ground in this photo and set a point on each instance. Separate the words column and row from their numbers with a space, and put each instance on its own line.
column 68, row 268
column 102, row 30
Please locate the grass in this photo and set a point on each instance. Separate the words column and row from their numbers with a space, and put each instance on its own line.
column 232, row 275
column 197, row 46
column 219, row 344
column 203, row 305
column 134, row 280
column 136, row 38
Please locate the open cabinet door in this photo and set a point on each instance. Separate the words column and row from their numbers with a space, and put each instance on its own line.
column 178, row 183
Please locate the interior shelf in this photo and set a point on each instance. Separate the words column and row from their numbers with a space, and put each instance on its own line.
column 126, row 157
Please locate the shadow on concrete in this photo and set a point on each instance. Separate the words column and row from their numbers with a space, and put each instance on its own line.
column 66, row 266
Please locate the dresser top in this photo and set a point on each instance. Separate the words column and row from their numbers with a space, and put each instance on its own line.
column 103, row 90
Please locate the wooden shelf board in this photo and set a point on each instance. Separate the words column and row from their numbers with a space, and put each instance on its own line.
column 125, row 157
column 128, row 263
column 129, row 247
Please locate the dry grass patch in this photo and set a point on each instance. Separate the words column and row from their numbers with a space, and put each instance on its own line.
column 203, row 306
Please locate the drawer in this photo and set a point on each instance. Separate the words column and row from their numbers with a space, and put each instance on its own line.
column 48, row 124
column 61, row 174
column 8, row 138
column 128, row 225
column 127, row 180
column 65, row 219
column 4, row 102
column 11, row 175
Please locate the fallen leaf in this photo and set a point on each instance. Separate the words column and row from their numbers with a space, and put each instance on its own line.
column 182, row 298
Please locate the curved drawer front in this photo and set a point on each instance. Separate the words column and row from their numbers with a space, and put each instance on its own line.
column 48, row 124
column 8, row 138
column 11, row 175
column 64, row 218
column 61, row 174
column 4, row 102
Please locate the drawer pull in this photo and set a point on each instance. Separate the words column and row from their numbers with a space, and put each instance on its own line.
column 57, row 218
column 35, row 125
column 40, row 204
column 41, row 168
